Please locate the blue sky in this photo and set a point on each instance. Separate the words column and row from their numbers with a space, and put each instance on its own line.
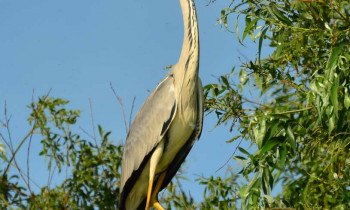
column 78, row 47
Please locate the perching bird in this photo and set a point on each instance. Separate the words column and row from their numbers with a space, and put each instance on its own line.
column 166, row 126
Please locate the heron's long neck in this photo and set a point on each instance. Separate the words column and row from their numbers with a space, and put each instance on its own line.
column 189, row 57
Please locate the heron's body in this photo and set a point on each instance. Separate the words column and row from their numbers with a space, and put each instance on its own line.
column 166, row 126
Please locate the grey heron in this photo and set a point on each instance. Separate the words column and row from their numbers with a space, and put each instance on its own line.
column 166, row 126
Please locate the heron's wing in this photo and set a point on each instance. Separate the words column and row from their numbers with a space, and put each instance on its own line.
column 150, row 124
column 182, row 154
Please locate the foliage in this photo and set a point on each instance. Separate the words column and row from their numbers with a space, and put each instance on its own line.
column 299, row 123
column 91, row 167
column 218, row 193
column 292, row 107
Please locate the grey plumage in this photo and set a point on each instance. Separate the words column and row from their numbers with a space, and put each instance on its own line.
column 166, row 126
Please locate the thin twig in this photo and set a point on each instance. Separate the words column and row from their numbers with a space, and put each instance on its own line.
column 122, row 106
column 295, row 111
column 6, row 142
column 28, row 151
column 51, row 177
column 20, row 144
column 82, row 129
column 93, row 127
column 3, row 124
column 132, row 109
column 28, row 154
column 7, row 121
column 230, row 156
column 210, row 1
column 23, row 173
column 92, row 121
column 254, row 102
column 343, row 16
column 18, row 147
column 15, row 189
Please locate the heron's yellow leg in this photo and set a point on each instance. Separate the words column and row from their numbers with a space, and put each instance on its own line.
column 157, row 187
column 157, row 154
column 149, row 193
column 157, row 206
column 154, row 199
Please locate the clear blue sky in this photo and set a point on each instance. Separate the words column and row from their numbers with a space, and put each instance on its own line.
column 78, row 47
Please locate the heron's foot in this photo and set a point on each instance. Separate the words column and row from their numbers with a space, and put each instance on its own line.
column 149, row 193
column 157, row 206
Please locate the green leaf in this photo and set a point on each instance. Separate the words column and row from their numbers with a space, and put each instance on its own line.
column 268, row 146
column 242, row 76
column 269, row 198
column 243, row 192
column 224, row 17
column 346, row 99
column 100, row 130
column 234, row 138
column 314, row 87
column 237, row 30
column 280, row 44
column 246, row 189
column 273, row 130
column 333, row 59
column 334, row 98
column 258, row 81
column 331, row 124
column 261, row 39
column 280, row 116
column 267, row 180
column 290, row 137
column 282, row 157
column 259, row 131
column 279, row 15
column 239, row 157
column 244, row 151
column 225, row 81
column 248, row 28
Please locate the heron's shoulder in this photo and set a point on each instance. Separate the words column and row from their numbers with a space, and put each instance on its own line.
column 159, row 108
column 168, row 79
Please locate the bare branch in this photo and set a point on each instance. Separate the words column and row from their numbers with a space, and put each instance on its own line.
column 93, row 127
column 122, row 106
column 28, row 152
column 30, row 133
column 231, row 156
column 82, row 129
column 92, row 121
column 132, row 109
column 15, row 189
column 7, row 121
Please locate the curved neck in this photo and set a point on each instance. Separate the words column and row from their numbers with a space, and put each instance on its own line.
column 190, row 47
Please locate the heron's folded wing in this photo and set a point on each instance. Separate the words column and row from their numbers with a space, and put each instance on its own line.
column 182, row 154
column 148, row 128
